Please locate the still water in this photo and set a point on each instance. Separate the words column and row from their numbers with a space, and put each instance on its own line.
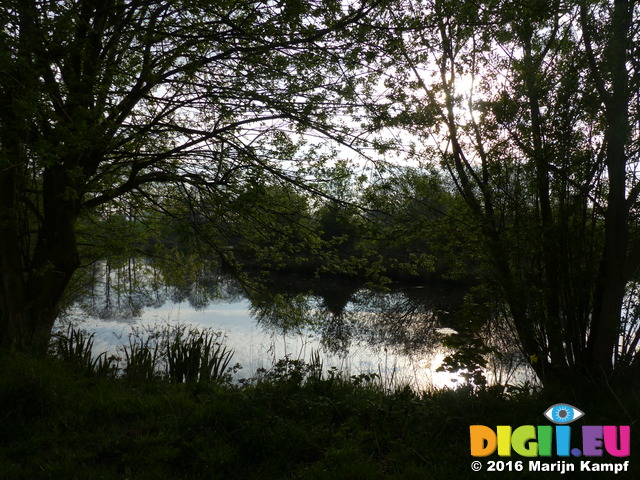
column 396, row 333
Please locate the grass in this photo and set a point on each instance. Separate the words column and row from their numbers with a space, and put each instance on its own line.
column 290, row 422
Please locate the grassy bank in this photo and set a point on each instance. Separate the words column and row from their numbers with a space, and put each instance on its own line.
column 59, row 423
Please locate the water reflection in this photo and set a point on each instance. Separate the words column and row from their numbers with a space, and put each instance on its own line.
column 287, row 315
column 121, row 291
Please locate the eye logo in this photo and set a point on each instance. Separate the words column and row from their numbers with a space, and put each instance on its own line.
column 562, row 413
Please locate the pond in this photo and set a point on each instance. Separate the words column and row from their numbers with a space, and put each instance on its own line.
column 395, row 333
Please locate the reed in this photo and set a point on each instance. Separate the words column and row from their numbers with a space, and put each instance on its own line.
column 171, row 352
column 141, row 357
column 196, row 356
column 74, row 346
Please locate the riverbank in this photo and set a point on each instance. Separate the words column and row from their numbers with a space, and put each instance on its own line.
column 288, row 423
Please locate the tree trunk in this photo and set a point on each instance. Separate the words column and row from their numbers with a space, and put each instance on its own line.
column 613, row 276
column 31, row 293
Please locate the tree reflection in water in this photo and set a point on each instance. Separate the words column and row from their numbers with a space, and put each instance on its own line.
column 403, row 327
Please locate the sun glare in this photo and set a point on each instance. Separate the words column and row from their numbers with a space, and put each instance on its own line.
column 443, row 379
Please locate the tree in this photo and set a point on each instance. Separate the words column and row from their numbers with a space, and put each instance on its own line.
column 532, row 108
column 420, row 224
column 104, row 101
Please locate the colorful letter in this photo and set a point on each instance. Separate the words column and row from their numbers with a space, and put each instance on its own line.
column 622, row 449
column 483, row 440
column 563, row 440
column 545, row 434
column 504, row 440
column 523, row 441
column 592, row 440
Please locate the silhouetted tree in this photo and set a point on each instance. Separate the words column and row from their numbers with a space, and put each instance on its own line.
column 104, row 101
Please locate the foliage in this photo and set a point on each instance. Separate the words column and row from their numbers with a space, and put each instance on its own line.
column 108, row 106
column 227, row 118
column 420, row 225
column 57, row 423
column 532, row 111
column 141, row 357
column 471, row 350
column 293, row 371
column 74, row 346
column 198, row 357
column 172, row 353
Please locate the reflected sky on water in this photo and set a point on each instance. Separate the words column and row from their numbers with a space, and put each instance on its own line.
column 396, row 333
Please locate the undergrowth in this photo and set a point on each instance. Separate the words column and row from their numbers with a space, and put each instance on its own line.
column 62, row 419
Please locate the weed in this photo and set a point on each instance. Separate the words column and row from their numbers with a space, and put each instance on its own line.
column 75, row 347
column 141, row 359
column 171, row 352
column 196, row 357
